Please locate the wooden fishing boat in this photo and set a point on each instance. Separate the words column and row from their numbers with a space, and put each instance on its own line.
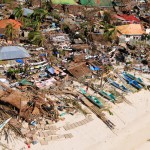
column 121, row 87
column 131, row 81
column 4, row 123
column 107, row 95
column 92, row 99
column 139, row 80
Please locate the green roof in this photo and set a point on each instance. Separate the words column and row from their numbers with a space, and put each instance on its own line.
column 67, row 2
column 102, row 3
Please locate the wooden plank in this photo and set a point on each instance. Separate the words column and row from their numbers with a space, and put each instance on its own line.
column 68, row 135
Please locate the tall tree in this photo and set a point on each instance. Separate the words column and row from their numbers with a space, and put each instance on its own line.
column 10, row 32
column 18, row 12
column 36, row 38
column 109, row 31
column 38, row 17
column 107, row 17
column 39, row 14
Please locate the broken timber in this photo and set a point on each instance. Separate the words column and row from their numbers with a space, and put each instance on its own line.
column 98, row 113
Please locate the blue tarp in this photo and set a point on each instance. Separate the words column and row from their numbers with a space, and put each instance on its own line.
column 20, row 61
column 94, row 68
column 1, row 35
column 51, row 70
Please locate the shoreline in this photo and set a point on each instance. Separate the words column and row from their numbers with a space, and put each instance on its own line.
column 131, row 137
column 131, row 131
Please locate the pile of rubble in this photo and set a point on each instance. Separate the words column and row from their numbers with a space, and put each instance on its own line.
column 82, row 47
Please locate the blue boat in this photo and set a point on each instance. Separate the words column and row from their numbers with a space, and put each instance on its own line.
column 131, row 81
column 121, row 87
column 139, row 80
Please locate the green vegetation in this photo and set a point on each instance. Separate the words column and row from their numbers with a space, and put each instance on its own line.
column 7, row 1
column 109, row 31
column 18, row 12
column 36, row 37
column 10, row 32
column 107, row 17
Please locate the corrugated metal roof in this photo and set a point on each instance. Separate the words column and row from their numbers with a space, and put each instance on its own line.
column 13, row 52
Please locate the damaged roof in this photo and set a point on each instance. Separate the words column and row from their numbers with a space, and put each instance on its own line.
column 5, row 22
column 79, row 70
column 130, row 18
column 130, row 29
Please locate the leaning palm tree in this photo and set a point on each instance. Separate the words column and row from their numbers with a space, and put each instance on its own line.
column 109, row 31
column 18, row 12
column 36, row 38
column 39, row 14
column 10, row 32
column 28, row 23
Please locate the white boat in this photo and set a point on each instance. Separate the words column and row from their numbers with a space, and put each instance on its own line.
column 4, row 123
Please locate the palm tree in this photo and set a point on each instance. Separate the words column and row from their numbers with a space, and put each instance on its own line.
column 28, row 23
column 10, row 32
column 36, row 38
column 47, row 4
column 109, row 32
column 18, row 12
column 107, row 17
column 39, row 14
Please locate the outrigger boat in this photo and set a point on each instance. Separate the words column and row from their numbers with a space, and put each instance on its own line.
column 121, row 87
column 107, row 95
column 131, row 81
column 139, row 80
column 92, row 99
column 4, row 123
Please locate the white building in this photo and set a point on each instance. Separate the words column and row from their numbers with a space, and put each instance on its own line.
column 130, row 32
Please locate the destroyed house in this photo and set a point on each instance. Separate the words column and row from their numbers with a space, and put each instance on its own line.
column 79, row 70
column 3, row 23
column 59, row 37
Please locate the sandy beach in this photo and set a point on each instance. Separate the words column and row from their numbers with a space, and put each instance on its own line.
column 132, row 130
